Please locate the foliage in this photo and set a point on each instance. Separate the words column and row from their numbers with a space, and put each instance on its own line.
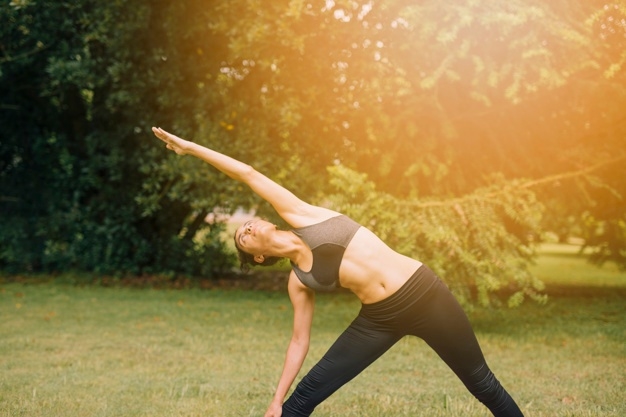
column 79, row 93
column 481, row 243
column 432, row 102
column 477, row 87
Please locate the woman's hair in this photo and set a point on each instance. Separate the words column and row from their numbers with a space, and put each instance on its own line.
column 247, row 259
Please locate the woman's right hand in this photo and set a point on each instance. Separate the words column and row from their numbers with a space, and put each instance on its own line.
column 174, row 143
column 275, row 410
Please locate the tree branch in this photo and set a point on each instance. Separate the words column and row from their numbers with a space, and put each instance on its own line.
column 10, row 199
column 523, row 185
column 571, row 174
column 9, row 58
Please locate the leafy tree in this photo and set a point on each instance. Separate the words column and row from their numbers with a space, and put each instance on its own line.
column 81, row 84
column 448, row 128
column 433, row 101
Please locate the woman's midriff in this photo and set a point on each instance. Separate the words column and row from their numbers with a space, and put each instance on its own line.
column 373, row 271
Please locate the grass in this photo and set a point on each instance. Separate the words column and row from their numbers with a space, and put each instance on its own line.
column 90, row 351
column 563, row 265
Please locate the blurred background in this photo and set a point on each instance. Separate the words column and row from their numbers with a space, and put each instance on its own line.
column 465, row 133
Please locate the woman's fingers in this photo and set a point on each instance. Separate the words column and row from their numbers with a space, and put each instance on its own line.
column 159, row 133
column 164, row 136
column 173, row 142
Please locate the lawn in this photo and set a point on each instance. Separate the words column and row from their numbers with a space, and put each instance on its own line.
column 67, row 350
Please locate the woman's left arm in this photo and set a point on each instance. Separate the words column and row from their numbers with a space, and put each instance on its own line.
column 292, row 209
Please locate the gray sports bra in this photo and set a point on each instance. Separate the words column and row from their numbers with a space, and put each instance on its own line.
column 328, row 241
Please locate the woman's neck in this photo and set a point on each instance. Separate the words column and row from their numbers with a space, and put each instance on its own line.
column 287, row 245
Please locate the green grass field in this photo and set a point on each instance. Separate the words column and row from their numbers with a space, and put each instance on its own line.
column 67, row 350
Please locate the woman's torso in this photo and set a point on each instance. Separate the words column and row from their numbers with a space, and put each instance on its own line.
column 368, row 267
column 372, row 270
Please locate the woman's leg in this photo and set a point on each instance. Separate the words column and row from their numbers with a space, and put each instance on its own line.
column 448, row 331
column 358, row 346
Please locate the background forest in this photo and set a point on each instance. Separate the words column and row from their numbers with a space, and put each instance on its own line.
column 463, row 132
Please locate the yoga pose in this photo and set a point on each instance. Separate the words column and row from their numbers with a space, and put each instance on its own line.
column 399, row 295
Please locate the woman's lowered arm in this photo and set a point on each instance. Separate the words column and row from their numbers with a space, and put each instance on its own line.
column 303, row 301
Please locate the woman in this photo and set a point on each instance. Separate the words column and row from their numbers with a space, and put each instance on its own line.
column 399, row 295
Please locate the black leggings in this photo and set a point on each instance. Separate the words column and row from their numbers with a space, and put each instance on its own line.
column 423, row 307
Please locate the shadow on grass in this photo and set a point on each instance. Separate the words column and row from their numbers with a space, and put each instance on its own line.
column 584, row 291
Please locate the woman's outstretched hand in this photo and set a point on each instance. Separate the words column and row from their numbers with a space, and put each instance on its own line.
column 174, row 143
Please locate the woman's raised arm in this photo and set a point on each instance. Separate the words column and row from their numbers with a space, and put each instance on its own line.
column 291, row 208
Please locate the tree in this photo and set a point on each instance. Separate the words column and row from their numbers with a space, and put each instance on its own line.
column 432, row 101
column 81, row 84
column 451, row 125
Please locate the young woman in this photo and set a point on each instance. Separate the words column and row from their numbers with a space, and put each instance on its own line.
column 399, row 295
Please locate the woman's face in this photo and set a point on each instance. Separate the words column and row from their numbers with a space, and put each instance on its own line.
column 253, row 236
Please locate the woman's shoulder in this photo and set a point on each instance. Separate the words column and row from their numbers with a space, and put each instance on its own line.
column 308, row 216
